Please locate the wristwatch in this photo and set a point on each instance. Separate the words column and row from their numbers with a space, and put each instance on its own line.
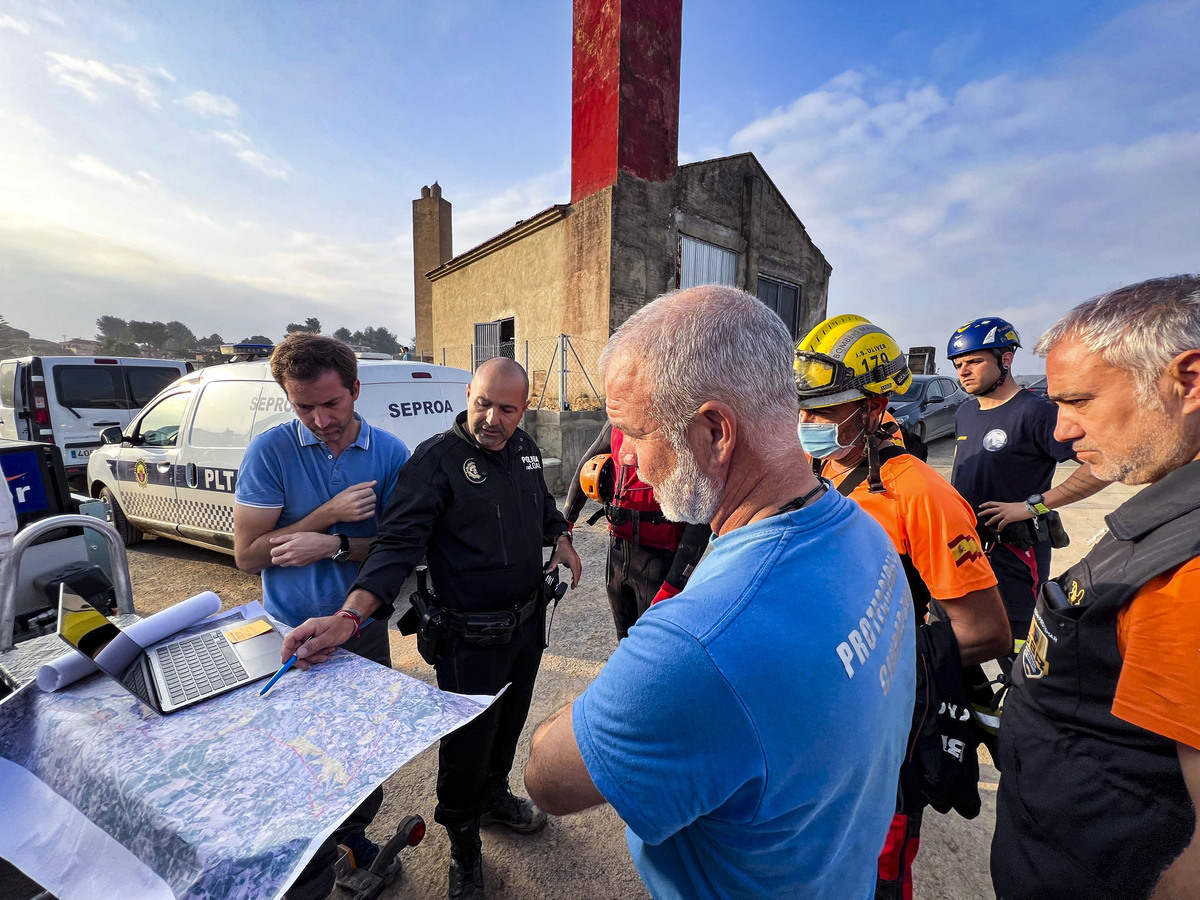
column 343, row 552
column 566, row 534
column 1037, row 505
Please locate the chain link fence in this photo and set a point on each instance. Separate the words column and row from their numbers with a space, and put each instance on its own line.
column 564, row 372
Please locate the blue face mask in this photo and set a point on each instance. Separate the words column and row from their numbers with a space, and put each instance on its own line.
column 820, row 439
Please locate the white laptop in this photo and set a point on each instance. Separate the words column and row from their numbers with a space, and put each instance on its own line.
column 177, row 672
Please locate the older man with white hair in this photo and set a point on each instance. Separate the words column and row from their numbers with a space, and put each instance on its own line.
column 1099, row 748
column 750, row 729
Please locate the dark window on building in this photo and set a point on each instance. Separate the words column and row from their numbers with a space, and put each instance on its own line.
column 494, row 339
column 784, row 298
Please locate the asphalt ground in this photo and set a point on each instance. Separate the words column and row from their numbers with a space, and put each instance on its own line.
column 583, row 855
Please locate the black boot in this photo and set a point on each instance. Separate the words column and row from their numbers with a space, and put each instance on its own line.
column 466, row 862
column 516, row 813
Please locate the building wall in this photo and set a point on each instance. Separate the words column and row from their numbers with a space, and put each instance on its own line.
column 732, row 202
column 729, row 202
column 643, row 262
column 525, row 279
column 588, row 273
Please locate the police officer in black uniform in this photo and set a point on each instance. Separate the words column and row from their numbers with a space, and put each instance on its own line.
column 473, row 500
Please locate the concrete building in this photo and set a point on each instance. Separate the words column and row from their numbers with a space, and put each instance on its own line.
column 638, row 224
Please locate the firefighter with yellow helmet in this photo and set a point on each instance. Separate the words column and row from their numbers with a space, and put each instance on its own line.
column 845, row 369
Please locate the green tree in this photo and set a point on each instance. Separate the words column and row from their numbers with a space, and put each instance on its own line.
column 115, row 337
column 153, row 334
column 17, row 342
column 343, row 334
column 256, row 339
column 180, row 339
column 378, row 339
column 112, row 328
column 312, row 325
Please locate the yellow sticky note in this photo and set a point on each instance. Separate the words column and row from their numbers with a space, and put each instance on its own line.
column 262, row 626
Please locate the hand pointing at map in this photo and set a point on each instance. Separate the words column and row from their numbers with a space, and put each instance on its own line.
column 313, row 640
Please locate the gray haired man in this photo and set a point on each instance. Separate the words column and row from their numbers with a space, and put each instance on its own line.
column 1100, row 741
column 749, row 730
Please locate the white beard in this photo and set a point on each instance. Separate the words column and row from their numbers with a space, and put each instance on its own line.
column 687, row 494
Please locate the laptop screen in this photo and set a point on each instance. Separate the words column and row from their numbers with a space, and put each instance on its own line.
column 84, row 626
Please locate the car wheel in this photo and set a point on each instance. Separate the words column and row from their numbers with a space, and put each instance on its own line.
column 129, row 534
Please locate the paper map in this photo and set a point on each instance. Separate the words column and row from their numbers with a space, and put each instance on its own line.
column 222, row 800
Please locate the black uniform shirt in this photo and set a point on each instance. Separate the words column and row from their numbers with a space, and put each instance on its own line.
column 482, row 517
column 1008, row 452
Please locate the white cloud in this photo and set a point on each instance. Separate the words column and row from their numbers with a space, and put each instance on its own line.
column 208, row 105
column 478, row 219
column 243, row 149
column 14, row 24
column 89, row 165
column 85, row 76
column 1017, row 195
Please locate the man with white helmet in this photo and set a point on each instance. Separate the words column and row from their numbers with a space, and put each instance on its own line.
column 846, row 368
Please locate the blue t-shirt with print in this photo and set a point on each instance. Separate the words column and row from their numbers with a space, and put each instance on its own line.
column 749, row 731
column 288, row 468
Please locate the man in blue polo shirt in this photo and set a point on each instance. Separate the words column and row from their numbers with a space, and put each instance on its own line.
column 309, row 496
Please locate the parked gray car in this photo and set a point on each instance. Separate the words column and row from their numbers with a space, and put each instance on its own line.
column 928, row 406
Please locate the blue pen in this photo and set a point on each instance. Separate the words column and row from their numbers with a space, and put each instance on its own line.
column 287, row 665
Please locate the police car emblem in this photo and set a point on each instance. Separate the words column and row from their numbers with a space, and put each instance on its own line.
column 472, row 472
column 995, row 439
column 139, row 472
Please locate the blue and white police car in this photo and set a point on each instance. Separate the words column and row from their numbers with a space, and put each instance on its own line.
column 171, row 472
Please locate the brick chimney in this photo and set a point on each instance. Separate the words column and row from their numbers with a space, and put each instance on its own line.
column 624, row 91
column 432, row 246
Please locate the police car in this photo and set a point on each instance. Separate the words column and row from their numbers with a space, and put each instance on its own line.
column 173, row 469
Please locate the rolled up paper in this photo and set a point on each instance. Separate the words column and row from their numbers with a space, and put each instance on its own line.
column 73, row 665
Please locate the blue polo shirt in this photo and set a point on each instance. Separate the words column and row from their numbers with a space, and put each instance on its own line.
column 288, row 468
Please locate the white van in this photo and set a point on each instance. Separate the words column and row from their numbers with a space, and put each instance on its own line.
column 173, row 470
column 69, row 400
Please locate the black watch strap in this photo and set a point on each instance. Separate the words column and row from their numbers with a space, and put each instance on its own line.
column 343, row 551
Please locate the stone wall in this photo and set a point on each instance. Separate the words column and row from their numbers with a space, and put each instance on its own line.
column 565, row 437
column 733, row 203
column 729, row 202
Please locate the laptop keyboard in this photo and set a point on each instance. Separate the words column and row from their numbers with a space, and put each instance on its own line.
column 199, row 666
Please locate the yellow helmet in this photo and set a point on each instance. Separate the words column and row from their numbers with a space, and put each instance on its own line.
column 847, row 358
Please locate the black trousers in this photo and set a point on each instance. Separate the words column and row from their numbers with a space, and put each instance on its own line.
column 634, row 576
column 478, row 757
column 1020, row 574
column 315, row 881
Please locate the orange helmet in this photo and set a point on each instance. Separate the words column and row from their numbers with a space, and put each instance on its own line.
column 598, row 477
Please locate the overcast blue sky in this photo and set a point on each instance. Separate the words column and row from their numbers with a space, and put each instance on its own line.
column 239, row 165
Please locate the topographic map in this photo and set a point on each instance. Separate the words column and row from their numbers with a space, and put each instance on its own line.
column 224, row 799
